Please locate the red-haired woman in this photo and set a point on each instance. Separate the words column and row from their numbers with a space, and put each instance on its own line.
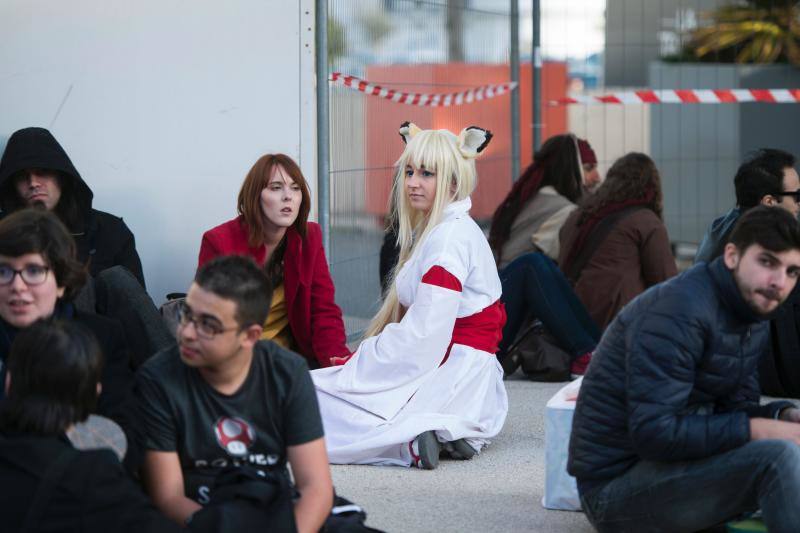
column 273, row 229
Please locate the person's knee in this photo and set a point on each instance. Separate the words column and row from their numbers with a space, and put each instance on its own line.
column 787, row 456
column 533, row 260
column 781, row 455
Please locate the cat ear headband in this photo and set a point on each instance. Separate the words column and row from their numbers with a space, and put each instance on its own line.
column 471, row 141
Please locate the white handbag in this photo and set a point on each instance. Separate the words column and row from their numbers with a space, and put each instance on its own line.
column 560, row 489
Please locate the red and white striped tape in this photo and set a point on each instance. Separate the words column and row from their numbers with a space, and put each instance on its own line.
column 688, row 96
column 420, row 99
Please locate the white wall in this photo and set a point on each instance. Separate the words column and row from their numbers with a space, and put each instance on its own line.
column 163, row 105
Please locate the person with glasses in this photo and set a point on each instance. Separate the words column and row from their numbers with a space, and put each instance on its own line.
column 39, row 276
column 224, row 398
column 767, row 177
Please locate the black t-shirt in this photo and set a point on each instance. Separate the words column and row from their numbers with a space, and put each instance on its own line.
column 179, row 411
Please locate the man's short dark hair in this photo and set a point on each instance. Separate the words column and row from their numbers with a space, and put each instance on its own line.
column 772, row 228
column 55, row 367
column 239, row 279
column 761, row 175
column 38, row 231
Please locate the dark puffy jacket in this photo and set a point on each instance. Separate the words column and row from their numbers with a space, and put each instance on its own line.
column 779, row 368
column 102, row 240
column 93, row 494
column 674, row 378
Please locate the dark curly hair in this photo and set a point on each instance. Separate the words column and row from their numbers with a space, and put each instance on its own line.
column 632, row 177
column 38, row 231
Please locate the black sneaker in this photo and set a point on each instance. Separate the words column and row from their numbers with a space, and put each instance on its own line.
column 425, row 451
column 459, row 449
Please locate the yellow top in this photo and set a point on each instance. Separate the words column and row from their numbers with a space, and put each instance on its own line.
column 276, row 328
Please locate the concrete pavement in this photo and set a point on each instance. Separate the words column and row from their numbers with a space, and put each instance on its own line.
column 500, row 490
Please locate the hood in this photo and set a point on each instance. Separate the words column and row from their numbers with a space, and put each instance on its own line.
column 714, row 241
column 724, row 224
column 37, row 148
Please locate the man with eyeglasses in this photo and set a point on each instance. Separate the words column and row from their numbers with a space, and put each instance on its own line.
column 223, row 398
column 767, row 177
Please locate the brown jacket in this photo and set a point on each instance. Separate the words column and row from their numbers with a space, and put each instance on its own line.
column 635, row 255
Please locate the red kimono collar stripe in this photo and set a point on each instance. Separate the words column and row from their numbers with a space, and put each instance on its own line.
column 440, row 277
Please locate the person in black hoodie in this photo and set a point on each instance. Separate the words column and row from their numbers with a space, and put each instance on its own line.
column 48, row 485
column 36, row 171
column 39, row 276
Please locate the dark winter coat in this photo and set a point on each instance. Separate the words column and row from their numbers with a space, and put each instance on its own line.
column 102, row 240
column 634, row 255
column 779, row 368
column 117, row 377
column 92, row 495
column 673, row 379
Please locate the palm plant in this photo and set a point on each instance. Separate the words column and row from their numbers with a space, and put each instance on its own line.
column 755, row 31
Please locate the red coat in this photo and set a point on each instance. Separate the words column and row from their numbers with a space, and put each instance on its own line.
column 314, row 318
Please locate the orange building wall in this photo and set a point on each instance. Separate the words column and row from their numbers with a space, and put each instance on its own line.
column 383, row 118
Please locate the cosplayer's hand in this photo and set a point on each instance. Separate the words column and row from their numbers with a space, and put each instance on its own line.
column 339, row 361
column 790, row 414
column 764, row 428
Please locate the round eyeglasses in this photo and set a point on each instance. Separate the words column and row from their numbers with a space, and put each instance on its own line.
column 206, row 327
column 30, row 274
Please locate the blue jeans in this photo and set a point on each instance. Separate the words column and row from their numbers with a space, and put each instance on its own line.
column 699, row 494
column 533, row 286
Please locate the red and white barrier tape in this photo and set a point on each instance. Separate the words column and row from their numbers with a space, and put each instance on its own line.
column 688, row 96
column 432, row 100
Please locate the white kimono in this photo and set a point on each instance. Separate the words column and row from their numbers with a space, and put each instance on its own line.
column 433, row 370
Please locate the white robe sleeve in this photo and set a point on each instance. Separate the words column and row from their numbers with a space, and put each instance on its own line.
column 387, row 369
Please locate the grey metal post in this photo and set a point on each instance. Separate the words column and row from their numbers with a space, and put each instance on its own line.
column 537, row 77
column 323, row 124
column 514, row 52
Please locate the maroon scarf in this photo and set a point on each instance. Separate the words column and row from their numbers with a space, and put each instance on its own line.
column 587, row 223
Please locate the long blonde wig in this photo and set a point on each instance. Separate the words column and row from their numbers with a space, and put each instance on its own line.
column 452, row 159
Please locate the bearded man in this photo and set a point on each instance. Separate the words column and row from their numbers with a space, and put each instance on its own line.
column 669, row 433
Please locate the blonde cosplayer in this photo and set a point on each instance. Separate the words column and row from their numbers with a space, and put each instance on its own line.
column 452, row 159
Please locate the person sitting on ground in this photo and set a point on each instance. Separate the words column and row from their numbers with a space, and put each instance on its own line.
column 39, row 276
column 525, row 243
column 525, row 226
column 615, row 245
column 223, row 398
column 36, row 171
column 52, row 384
column 531, row 215
column 767, row 177
column 668, row 433
column 273, row 229
column 425, row 373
